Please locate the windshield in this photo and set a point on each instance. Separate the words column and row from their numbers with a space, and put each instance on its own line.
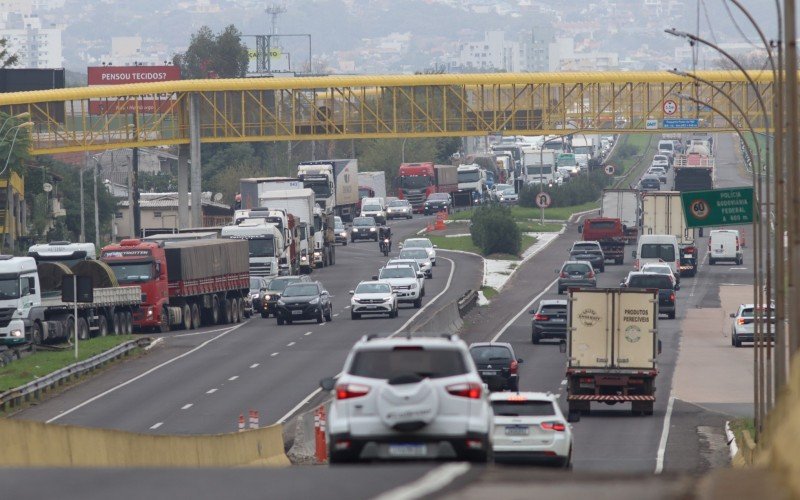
column 278, row 285
column 371, row 208
column 410, row 263
column 666, row 146
column 300, row 290
column 657, row 269
column 373, row 288
column 545, row 170
column 438, row 197
column 321, row 187
column 429, row 363
column 650, row 281
column 262, row 247
column 474, row 176
column 397, row 272
column 523, row 408
column 129, row 273
column 338, row 227
column 484, row 354
column 413, row 253
column 602, row 224
column 399, row 203
column 415, row 181
column 418, row 244
column 9, row 288
column 363, row 221
column 566, row 161
column 660, row 158
column 576, row 268
column 665, row 251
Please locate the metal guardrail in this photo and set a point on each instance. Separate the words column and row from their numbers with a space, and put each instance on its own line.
column 36, row 388
column 466, row 302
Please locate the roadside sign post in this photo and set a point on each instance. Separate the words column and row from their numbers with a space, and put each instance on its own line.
column 609, row 170
column 543, row 201
column 76, row 289
column 718, row 207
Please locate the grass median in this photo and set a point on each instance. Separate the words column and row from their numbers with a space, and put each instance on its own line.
column 41, row 363
column 526, row 214
column 465, row 244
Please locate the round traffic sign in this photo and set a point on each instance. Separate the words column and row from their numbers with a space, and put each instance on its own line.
column 543, row 200
column 700, row 209
column 610, row 169
column 670, row 107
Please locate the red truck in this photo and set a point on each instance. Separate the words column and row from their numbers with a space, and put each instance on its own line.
column 420, row 180
column 609, row 233
column 184, row 284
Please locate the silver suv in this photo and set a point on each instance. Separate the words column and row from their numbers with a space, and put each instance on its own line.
column 411, row 398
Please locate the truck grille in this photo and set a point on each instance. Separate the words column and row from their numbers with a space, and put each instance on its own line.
column 415, row 197
column 5, row 316
column 260, row 269
column 370, row 301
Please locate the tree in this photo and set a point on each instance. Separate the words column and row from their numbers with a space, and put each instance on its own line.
column 6, row 59
column 209, row 55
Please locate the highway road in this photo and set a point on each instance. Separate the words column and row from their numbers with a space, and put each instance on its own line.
column 260, row 366
column 199, row 382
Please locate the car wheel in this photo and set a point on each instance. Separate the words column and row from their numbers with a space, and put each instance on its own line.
column 567, row 464
column 352, row 240
column 710, row 261
column 535, row 338
column 560, row 291
column 264, row 314
column 396, row 312
column 736, row 341
column 320, row 317
column 417, row 303
column 329, row 316
column 354, row 315
column 671, row 315
column 344, row 243
column 433, row 263
column 288, row 322
column 602, row 268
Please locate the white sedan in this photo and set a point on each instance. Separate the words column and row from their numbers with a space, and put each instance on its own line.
column 372, row 297
column 529, row 427
column 422, row 243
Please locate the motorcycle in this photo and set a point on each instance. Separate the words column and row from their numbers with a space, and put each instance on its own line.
column 385, row 245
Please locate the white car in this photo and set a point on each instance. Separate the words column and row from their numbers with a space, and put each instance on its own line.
column 370, row 297
column 661, row 161
column 409, row 398
column 404, row 283
column 743, row 330
column 663, row 269
column 529, row 426
column 375, row 210
column 413, row 265
column 510, row 196
column 421, row 256
column 659, row 172
column 423, row 243
column 399, row 208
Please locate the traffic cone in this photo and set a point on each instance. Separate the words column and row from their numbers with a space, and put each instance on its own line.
column 241, row 422
column 440, row 226
column 253, row 419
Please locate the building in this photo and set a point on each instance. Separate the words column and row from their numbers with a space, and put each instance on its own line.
column 13, row 212
column 160, row 211
column 493, row 53
column 34, row 45
column 563, row 57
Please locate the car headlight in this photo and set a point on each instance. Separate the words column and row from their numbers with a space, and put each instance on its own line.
column 314, row 301
column 267, row 297
column 372, row 229
column 304, row 258
column 355, row 229
column 317, row 254
column 343, row 233
column 413, row 285
column 387, row 299
column 149, row 312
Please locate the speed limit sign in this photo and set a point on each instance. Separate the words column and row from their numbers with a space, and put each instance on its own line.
column 700, row 209
column 670, row 107
column 610, row 169
column 543, row 200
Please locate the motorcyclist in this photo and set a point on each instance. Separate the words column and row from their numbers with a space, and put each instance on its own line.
column 384, row 233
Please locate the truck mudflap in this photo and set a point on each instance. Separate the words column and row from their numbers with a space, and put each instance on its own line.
column 600, row 397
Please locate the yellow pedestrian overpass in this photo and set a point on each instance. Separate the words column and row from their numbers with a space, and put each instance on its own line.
column 384, row 106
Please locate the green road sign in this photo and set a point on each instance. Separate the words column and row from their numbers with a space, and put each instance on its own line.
column 718, row 207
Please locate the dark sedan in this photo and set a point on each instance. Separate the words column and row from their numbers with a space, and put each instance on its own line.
column 258, row 287
column 594, row 256
column 340, row 232
column 497, row 364
column 275, row 289
column 437, row 202
column 549, row 321
column 364, row 228
column 304, row 301
column 650, row 183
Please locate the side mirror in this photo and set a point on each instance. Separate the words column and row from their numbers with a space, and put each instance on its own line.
column 420, row 275
column 520, row 361
column 562, row 346
column 532, row 311
column 375, row 278
column 659, row 347
column 633, row 254
column 435, row 246
column 158, row 267
column 400, row 245
column 733, row 315
column 555, row 271
column 263, row 290
column 677, row 286
column 580, row 228
column 327, row 384
column 352, row 292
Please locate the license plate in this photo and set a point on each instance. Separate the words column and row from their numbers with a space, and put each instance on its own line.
column 688, row 256
column 297, row 312
column 488, row 373
column 408, row 450
column 517, row 430
column 558, row 320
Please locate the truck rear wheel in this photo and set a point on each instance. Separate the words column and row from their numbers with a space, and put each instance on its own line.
column 196, row 315
column 235, row 310
column 215, row 310
column 128, row 323
column 165, row 323
column 117, row 327
column 187, row 317
column 227, row 313
column 83, row 329
column 242, row 315
column 102, row 326
column 36, row 333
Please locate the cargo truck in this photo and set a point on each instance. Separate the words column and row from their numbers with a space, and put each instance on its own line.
column 609, row 233
column 253, row 189
column 185, row 284
column 66, row 252
column 420, row 180
column 612, row 345
column 335, row 185
column 623, row 204
column 265, row 242
column 694, row 170
column 31, row 309
column 662, row 213
column 539, row 167
column 375, row 181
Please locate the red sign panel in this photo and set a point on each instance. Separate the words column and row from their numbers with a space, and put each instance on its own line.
column 120, row 75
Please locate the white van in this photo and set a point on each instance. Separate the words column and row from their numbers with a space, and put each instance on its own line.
column 374, row 207
column 724, row 244
column 655, row 248
column 666, row 147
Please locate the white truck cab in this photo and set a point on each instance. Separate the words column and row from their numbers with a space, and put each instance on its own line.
column 19, row 292
column 63, row 251
column 265, row 241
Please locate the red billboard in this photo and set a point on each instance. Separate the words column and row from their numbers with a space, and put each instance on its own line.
column 120, row 75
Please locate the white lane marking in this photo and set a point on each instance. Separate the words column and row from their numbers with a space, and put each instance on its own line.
column 233, row 378
column 254, row 365
column 524, row 310
column 564, row 382
column 211, row 391
column 422, row 309
column 187, row 406
column 308, row 333
column 738, row 269
column 142, row 375
column 290, row 344
column 154, row 343
column 273, row 354
column 336, row 315
column 156, row 425
column 203, row 332
column 348, row 307
column 662, row 445
column 428, row 484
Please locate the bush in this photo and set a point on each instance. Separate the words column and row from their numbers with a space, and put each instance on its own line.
column 579, row 190
column 494, row 231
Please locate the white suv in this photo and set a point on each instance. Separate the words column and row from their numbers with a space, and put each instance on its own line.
column 409, row 398
column 422, row 243
column 374, row 209
column 404, row 283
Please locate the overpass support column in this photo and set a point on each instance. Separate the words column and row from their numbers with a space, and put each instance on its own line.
column 194, row 146
column 183, row 186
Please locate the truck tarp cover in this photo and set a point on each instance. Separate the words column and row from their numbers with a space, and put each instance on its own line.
column 198, row 259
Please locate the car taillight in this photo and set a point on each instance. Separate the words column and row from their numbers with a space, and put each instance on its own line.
column 737, row 243
column 514, row 365
column 590, row 275
column 564, row 275
column 349, row 391
column 636, row 264
column 469, row 390
column 740, row 321
column 554, row 426
column 672, row 297
column 541, row 317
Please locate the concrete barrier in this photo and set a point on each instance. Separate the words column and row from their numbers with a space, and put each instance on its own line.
column 35, row 444
column 447, row 319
